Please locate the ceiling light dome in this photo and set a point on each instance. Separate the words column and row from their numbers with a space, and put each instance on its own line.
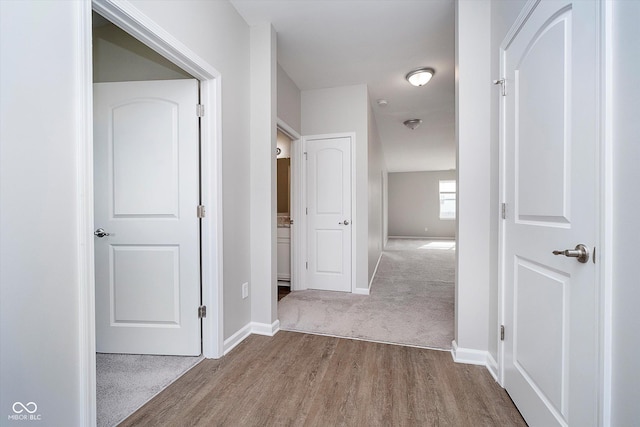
column 412, row 123
column 421, row 76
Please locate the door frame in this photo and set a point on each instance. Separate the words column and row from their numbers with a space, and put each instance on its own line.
column 604, row 223
column 301, row 240
column 141, row 27
column 294, row 194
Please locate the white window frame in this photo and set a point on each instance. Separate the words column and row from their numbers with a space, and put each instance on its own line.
column 443, row 190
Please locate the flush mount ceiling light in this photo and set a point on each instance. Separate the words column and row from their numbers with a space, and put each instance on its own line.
column 420, row 77
column 412, row 123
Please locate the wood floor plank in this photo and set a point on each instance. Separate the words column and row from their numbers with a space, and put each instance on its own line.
column 295, row 379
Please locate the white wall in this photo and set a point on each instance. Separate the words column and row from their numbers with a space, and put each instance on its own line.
column 219, row 35
column 503, row 14
column 289, row 108
column 473, row 92
column 41, row 280
column 262, row 156
column 344, row 109
column 118, row 57
column 414, row 204
column 377, row 172
column 626, row 204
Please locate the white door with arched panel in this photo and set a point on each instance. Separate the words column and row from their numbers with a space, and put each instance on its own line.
column 328, row 212
column 551, row 189
column 146, row 186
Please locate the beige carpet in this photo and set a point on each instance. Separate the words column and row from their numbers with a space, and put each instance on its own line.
column 125, row 382
column 411, row 301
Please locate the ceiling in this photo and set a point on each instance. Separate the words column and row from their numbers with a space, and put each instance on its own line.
column 331, row 43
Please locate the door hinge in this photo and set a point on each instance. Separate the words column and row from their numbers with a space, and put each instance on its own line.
column 504, row 211
column 306, row 211
column 503, row 86
column 305, row 155
column 501, row 332
column 306, row 265
column 200, row 211
column 200, row 110
column 202, row 312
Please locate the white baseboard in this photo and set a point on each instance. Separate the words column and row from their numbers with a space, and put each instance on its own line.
column 250, row 328
column 492, row 366
column 265, row 328
column 475, row 357
column 375, row 270
column 360, row 291
column 235, row 339
column 422, row 237
column 468, row 355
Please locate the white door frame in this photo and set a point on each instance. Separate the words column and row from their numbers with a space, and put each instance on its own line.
column 605, row 233
column 604, row 175
column 141, row 27
column 301, row 196
column 294, row 194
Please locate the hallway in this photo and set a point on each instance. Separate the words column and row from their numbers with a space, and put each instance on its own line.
column 411, row 300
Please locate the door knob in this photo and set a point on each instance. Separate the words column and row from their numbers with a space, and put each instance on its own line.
column 581, row 252
column 100, row 233
column 346, row 222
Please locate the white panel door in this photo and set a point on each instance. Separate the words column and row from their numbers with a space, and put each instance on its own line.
column 329, row 214
column 551, row 187
column 146, row 186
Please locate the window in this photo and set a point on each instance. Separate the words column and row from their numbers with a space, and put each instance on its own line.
column 447, row 200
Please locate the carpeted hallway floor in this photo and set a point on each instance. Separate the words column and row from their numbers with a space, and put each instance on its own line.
column 411, row 301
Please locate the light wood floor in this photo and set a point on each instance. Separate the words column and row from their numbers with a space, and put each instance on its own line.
column 296, row 379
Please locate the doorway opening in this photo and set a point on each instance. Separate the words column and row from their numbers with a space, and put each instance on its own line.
column 414, row 279
column 158, row 50
column 147, row 247
column 284, row 221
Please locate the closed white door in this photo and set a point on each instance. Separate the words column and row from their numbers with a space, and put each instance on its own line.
column 146, row 189
column 551, row 187
column 329, row 214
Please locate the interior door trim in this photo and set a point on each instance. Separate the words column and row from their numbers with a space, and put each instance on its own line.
column 295, row 204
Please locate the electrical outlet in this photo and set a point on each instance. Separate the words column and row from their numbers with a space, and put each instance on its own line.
column 245, row 290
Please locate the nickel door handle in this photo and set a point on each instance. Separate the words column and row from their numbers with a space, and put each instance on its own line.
column 581, row 252
column 345, row 222
column 100, row 233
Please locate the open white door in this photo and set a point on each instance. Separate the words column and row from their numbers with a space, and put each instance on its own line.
column 329, row 214
column 551, row 188
column 146, row 181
